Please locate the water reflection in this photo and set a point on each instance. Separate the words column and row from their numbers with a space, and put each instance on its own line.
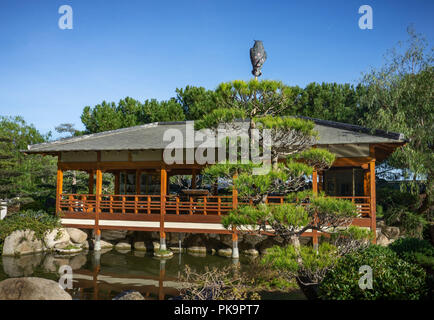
column 104, row 274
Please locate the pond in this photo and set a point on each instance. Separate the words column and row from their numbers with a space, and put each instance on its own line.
column 102, row 276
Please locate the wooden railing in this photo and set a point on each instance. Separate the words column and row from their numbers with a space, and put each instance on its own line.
column 178, row 205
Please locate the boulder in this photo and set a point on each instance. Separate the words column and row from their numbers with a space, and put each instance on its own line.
column 129, row 295
column 56, row 238
column 77, row 235
column 139, row 246
column 382, row 240
column 196, row 249
column 227, row 252
column 32, row 289
column 111, row 235
column 21, row 242
column 163, row 254
column 104, row 244
column 156, row 245
column 123, row 246
column 251, row 252
column 390, row 232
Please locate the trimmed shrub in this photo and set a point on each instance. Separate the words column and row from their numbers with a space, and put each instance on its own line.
column 392, row 279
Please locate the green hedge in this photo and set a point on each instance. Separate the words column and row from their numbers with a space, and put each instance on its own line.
column 393, row 278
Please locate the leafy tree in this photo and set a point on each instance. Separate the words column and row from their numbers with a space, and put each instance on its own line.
column 196, row 102
column 261, row 101
column 398, row 97
column 330, row 101
column 129, row 112
column 25, row 178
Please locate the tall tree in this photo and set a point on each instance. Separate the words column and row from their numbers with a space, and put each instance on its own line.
column 29, row 178
column 399, row 97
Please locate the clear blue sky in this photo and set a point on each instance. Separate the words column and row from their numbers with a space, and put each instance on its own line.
column 146, row 49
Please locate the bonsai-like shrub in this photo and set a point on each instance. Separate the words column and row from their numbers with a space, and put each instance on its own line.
column 392, row 277
column 306, row 263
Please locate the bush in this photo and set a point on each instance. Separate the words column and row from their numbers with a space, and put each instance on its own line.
column 415, row 250
column 38, row 221
column 393, row 278
column 306, row 263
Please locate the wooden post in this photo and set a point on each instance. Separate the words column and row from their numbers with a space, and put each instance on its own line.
column 117, row 182
column 163, row 190
column 193, row 179
column 234, row 194
column 373, row 199
column 138, row 181
column 91, row 181
column 315, row 193
column 59, row 189
column 98, row 191
column 235, row 252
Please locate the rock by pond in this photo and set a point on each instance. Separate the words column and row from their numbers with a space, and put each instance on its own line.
column 32, row 289
column 22, row 242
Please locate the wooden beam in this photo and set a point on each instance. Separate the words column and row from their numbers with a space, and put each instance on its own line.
column 163, row 190
column 91, row 181
column 351, row 162
column 315, row 182
column 59, row 189
column 193, row 179
column 315, row 193
column 138, row 180
column 98, row 192
column 373, row 198
column 117, row 182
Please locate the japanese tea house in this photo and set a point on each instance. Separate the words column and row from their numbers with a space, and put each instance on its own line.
column 143, row 200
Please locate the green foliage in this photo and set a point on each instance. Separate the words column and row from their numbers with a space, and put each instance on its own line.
column 330, row 101
column 353, row 233
column 219, row 116
column 400, row 209
column 253, row 186
column 246, row 216
column 196, row 101
column 38, row 221
column 129, row 112
column 30, row 177
column 411, row 223
column 304, row 262
column 317, row 158
column 333, row 207
column 285, row 123
column 393, row 278
column 226, row 170
column 398, row 97
column 414, row 250
column 290, row 215
column 265, row 97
